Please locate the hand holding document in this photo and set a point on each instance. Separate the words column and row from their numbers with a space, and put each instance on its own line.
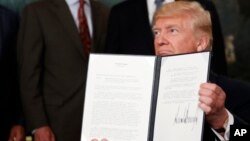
column 177, row 109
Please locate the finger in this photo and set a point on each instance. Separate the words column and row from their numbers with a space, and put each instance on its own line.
column 208, row 85
column 206, row 100
column 205, row 108
column 211, row 86
column 207, row 96
column 205, row 92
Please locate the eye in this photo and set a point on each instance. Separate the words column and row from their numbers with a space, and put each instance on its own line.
column 156, row 32
column 173, row 30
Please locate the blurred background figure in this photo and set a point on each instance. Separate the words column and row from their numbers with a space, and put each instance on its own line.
column 10, row 107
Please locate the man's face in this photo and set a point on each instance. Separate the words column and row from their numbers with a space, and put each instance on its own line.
column 174, row 35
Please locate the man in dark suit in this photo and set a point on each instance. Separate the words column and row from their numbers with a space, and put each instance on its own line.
column 188, row 23
column 129, row 31
column 53, row 64
column 10, row 111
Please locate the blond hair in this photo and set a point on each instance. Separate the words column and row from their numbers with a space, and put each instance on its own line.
column 201, row 21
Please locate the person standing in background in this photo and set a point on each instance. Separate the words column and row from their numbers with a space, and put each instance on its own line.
column 55, row 39
column 129, row 30
column 11, row 127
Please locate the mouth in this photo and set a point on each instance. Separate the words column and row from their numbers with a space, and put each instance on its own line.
column 164, row 52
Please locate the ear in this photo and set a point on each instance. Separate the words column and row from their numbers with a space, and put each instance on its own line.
column 202, row 43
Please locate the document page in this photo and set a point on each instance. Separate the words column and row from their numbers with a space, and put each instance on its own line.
column 178, row 117
column 118, row 98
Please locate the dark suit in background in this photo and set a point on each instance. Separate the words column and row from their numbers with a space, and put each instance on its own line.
column 53, row 67
column 129, row 32
column 10, row 106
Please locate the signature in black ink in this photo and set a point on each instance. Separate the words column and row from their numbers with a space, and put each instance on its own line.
column 184, row 117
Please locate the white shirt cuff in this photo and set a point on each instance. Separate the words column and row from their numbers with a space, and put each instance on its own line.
column 230, row 121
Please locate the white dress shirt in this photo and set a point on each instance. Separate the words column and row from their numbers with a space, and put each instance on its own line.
column 74, row 5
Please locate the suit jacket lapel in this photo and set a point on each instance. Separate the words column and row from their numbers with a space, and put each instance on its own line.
column 142, row 16
column 63, row 12
column 145, row 19
column 144, row 10
column 95, row 25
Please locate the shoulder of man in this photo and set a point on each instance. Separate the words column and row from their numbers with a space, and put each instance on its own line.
column 43, row 4
column 100, row 7
column 6, row 12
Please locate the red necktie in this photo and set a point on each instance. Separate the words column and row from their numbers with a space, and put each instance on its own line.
column 83, row 29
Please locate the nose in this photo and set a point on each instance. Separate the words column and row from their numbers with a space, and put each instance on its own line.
column 159, row 41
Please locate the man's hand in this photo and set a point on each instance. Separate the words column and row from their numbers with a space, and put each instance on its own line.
column 212, row 102
column 44, row 134
column 17, row 133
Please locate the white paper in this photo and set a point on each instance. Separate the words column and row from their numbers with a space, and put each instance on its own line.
column 118, row 98
column 178, row 117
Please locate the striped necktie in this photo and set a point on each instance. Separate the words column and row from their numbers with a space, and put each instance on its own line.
column 83, row 29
